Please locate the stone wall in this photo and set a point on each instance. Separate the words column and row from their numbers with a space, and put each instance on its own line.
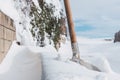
column 7, row 34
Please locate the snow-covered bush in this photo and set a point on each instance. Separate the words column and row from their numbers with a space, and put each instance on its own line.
column 41, row 19
column 47, row 23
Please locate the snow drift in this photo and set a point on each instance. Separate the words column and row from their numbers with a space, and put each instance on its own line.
column 20, row 64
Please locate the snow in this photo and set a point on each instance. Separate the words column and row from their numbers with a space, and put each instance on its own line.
column 100, row 62
column 15, row 10
column 36, row 3
column 67, row 54
column 57, row 5
column 12, row 9
column 20, row 64
column 24, row 62
column 64, row 69
column 100, row 47
column 7, row 7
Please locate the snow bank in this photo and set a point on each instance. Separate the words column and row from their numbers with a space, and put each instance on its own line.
column 65, row 54
column 20, row 64
column 66, row 70
column 101, row 48
column 63, row 69
column 65, row 51
column 100, row 62
column 23, row 63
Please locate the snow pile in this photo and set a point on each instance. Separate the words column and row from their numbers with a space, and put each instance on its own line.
column 20, row 64
column 25, row 38
column 103, row 49
column 63, row 69
column 66, row 70
column 65, row 51
column 100, row 62
column 23, row 63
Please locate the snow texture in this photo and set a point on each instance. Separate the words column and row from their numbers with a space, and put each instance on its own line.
column 64, row 69
column 20, row 64
column 24, row 62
